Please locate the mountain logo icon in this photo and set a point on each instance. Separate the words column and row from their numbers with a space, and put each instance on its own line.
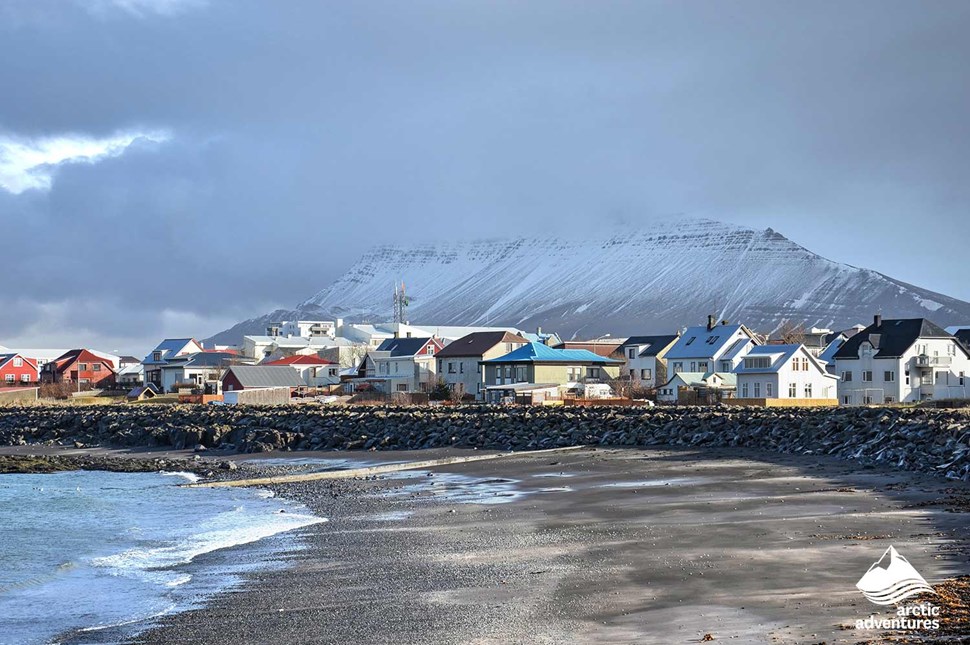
column 891, row 580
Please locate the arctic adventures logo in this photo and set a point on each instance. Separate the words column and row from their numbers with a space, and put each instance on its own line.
column 891, row 580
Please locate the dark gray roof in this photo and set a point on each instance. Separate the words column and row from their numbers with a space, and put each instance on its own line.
column 479, row 342
column 256, row 376
column 891, row 337
column 403, row 346
column 656, row 343
column 963, row 336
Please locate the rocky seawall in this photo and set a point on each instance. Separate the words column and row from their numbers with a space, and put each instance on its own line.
column 927, row 440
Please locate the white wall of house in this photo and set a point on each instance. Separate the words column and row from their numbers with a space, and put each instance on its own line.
column 406, row 373
column 708, row 361
column 200, row 376
column 933, row 368
column 642, row 369
column 799, row 377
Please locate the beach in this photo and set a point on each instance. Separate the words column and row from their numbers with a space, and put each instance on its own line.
column 597, row 545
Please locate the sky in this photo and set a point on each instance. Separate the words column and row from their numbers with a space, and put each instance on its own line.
column 170, row 167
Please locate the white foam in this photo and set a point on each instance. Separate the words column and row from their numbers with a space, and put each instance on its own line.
column 224, row 532
column 192, row 477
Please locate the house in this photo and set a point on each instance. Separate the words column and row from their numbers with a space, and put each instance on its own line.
column 459, row 363
column 258, row 377
column 130, row 375
column 403, row 365
column 536, row 363
column 711, row 348
column 17, row 370
column 315, row 371
column 645, row 359
column 901, row 360
column 165, row 351
column 789, row 372
column 546, row 338
column 374, row 334
column 80, row 366
column 304, row 328
column 201, row 370
column 44, row 355
column 698, row 388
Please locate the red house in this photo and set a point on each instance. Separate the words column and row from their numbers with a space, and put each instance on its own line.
column 17, row 370
column 79, row 366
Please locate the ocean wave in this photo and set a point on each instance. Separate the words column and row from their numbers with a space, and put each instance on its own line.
column 192, row 477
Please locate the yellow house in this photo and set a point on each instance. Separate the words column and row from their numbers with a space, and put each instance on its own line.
column 538, row 364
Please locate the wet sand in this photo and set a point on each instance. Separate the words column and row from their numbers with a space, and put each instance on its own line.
column 647, row 546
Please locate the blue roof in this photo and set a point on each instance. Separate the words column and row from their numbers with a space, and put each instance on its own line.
column 169, row 347
column 700, row 342
column 539, row 353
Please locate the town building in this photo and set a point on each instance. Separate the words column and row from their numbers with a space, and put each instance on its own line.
column 901, row 361
column 258, row 377
column 460, row 362
column 698, row 388
column 315, row 371
column 17, row 370
column 166, row 350
column 403, row 365
column 711, row 348
column 568, row 370
column 202, row 370
column 789, row 372
column 81, row 367
column 645, row 359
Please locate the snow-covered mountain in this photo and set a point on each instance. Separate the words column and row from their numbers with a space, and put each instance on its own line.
column 639, row 282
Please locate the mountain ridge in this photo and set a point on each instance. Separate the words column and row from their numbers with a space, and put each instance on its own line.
column 640, row 281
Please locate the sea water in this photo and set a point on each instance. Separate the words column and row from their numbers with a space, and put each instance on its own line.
column 98, row 552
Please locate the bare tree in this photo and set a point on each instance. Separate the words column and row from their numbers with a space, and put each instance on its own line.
column 457, row 393
column 791, row 333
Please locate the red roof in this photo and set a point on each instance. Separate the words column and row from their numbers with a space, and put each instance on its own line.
column 81, row 356
column 300, row 360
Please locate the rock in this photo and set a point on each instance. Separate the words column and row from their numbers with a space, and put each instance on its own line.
column 228, row 465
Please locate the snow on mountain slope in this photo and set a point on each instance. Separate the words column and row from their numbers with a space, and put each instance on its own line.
column 641, row 282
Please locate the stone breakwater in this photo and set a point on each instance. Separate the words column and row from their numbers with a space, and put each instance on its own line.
column 927, row 440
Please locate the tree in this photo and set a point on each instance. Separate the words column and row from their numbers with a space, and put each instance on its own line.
column 791, row 333
column 457, row 393
column 441, row 391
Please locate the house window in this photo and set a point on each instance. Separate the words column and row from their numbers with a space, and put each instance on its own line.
column 867, row 376
column 793, row 390
column 693, row 366
column 156, row 356
column 808, row 390
column 430, row 350
column 702, row 366
column 866, row 349
column 744, row 390
column 951, row 350
column 890, row 399
column 889, row 377
column 907, row 377
column 847, row 377
column 83, row 367
column 451, row 368
column 228, row 387
column 804, row 364
column 84, row 381
column 402, row 387
column 646, row 375
column 633, row 374
column 25, row 378
column 756, row 363
column 592, row 372
column 18, row 362
column 9, row 378
column 845, row 400
column 461, row 368
column 961, row 378
column 633, row 352
column 395, row 368
column 713, row 339
column 508, row 371
column 692, row 339
column 678, row 367
column 768, row 392
column 96, row 367
column 520, row 374
column 726, row 366
column 757, row 390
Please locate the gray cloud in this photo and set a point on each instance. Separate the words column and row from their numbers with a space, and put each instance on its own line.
column 304, row 132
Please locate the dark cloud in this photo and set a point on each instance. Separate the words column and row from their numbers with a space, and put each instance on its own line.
column 304, row 132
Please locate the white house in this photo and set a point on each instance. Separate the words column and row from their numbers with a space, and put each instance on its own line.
column 403, row 365
column 901, row 360
column 710, row 348
column 644, row 359
column 716, row 384
column 315, row 371
column 459, row 363
column 166, row 350
column 304, row 328
column 784, row 372
column 201, row 370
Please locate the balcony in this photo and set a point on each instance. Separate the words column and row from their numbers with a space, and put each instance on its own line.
column 932, row 361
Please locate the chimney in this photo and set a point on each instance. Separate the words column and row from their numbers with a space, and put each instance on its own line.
column 710, row 323
column 538, row 331
column 725, row 322
column 877, row 320
column 397, row 334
